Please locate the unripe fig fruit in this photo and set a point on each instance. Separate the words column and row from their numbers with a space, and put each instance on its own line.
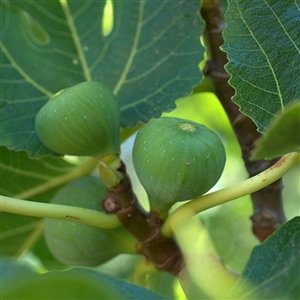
column 75, row 243
column 83, row 120
column 177, row 160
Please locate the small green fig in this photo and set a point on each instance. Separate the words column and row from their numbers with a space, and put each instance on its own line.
column 83, row 120
column 74, row 243
column 177, row 160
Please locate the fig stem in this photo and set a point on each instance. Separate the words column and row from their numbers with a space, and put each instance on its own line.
column 57, row 211
column 251, row 185
column 109, row 176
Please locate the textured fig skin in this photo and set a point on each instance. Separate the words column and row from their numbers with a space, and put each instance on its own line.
column 83, row 120
column 78, row 244
column 177, row 160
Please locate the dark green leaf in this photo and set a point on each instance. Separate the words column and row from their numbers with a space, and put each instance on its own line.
column 282, row 136
column 15, row 232
column 262, row 39
column 13, row 274
column 149, row 59
column 20, row 282
column 19, row 173
column 20, row 177
column 274, row 266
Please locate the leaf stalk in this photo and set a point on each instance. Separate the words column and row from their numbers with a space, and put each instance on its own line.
column 57, row 211
column 251, row 185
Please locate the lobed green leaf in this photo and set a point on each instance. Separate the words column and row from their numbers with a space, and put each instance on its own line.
column 149, row 59
column 262, row 41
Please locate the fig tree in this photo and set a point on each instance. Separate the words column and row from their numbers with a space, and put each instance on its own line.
column 75, row 243
column 176, row 160
column 82, row 120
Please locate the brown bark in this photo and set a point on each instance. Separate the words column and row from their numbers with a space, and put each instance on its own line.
column 268, row 211
column 161, row 251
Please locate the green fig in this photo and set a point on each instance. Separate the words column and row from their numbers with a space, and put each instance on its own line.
column 177, row 160
column 74, row 243
column 82, row 120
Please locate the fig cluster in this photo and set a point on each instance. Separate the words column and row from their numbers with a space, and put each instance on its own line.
column 78, row 244
column 177, row 160
column 82, row 120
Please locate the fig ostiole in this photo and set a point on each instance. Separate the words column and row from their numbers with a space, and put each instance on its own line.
column 74, row 243
column 82, row 120
column 176, row 160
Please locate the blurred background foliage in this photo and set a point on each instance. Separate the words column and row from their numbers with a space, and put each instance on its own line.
column 228, row 225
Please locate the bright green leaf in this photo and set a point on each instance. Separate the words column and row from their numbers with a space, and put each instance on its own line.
column 20, row 282
column 282, row 136
column 158, row 282
column 273, row 268
column 149, row 59
column 262, row 40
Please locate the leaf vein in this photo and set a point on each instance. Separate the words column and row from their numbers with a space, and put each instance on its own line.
column 266, row 57
column 133, row 49
column 283, row 27
column 144, row 99
column 26, row 173
column 23, row 73
column 76, row 40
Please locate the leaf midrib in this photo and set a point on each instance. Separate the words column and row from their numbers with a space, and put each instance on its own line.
column 76, row 39
column 133, row 49
column 266, row 56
